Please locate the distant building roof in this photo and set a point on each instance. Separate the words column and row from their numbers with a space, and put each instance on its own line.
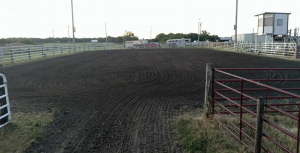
column 271, row 13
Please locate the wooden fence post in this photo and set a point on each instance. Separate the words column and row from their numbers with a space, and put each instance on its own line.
column 208, row 82
column 1, row 67
column 296, row 52
column 259, row 125
column 42, row 51
column 53, row 50
column 12, row 55
column 69, row 48
column 29, row 53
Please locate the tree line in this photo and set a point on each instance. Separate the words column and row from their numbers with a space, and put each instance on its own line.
column 127, row 36
column 194, row 36
column 33, row 41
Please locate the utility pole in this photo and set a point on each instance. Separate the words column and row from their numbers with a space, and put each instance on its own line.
column 53, row 38
column 68, row 32
column 253, row 35
column 150, row 32
column 73, row 28
column 106, row 36
column 200, row 32
column 235, row 26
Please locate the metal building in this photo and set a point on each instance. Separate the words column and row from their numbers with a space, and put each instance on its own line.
column 252, row 38
column 273, row 23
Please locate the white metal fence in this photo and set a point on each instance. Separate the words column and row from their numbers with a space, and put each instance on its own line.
column 10, row 54
column 290, row 50
column 5, row 114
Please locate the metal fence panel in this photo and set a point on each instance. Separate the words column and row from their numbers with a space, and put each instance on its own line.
column 5, row 114
column 235, row 98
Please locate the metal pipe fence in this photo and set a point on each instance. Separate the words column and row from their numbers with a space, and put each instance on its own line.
column 288, row 50
column 5, row 114
column 12, row 54
column 235, row 100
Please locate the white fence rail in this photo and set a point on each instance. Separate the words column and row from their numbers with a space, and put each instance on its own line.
column 289, row 50
column 5, row 114
column 13, row 54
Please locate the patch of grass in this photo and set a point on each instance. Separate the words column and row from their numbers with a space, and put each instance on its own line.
column 25, row 129
column 197, row 134
column 54, row 111
column 201, row 135
column 282, row 121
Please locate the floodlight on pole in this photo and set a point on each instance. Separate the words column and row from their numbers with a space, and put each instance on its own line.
column 73, row 28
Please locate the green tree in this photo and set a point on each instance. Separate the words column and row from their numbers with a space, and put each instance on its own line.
column 160, row 37
column 193, row 36
column 129, row 36
column 205, row 35
column 27, row 41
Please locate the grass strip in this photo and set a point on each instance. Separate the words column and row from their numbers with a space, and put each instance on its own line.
column 25, row 129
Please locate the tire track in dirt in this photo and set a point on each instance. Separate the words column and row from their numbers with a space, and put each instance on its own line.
column 84, row 143
column 141, row 106
column 153, row 105
column 115, row 109
column 161, row 95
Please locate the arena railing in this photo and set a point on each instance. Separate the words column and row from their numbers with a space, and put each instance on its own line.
column 11, row 54
column 235, row 100
column 5, row 114
column 288, row 50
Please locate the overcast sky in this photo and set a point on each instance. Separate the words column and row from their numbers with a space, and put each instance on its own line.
column 38, row 18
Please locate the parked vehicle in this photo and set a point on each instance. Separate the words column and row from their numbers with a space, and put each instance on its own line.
column 136, row 44
column 154, row 45
column 177, row 42
column 141, row 44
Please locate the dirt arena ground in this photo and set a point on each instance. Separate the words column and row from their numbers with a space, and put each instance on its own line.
column 120, row 100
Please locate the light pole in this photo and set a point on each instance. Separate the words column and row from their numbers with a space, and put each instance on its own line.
column 73, row 28
column 199, row 31
column 235, row 26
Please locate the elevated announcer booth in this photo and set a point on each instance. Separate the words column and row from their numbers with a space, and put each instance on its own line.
column 273, row 23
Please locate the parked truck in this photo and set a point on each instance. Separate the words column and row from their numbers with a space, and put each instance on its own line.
column 154, row 45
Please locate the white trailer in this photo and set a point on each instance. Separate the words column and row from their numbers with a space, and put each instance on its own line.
column 177, row 42
column 136, row 44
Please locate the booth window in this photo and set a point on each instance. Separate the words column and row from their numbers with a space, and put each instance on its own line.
column 279, row 22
